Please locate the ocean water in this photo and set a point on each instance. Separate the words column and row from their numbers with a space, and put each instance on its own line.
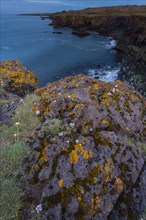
column 53, row 56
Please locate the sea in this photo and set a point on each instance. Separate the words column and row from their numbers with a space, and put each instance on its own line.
column 53, row 56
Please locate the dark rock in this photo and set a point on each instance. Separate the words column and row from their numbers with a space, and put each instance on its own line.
column 81, row 33
column 92, row 163
column 16, row 79
column 57, row 32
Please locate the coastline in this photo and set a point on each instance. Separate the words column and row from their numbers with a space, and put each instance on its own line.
column 126, row 24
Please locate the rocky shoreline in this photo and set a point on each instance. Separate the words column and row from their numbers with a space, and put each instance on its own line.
column 126, row 24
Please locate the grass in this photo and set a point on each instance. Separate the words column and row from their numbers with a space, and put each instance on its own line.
column 27, row 119
column 53, row 126
column 11, row 160
column 25, row 116
column 13, row 151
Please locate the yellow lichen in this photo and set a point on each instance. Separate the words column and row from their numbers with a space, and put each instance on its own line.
column 60, row 183
column 119, row 183
column 127, row 129
column 73, row 157
column 79, row 150
column 104, row 122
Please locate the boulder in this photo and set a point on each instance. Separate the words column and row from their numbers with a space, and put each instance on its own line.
column 81, row 33
column 85, row 153
column 15, row 78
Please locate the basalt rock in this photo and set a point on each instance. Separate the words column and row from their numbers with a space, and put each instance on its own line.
column 8, row 105
column 85, row 156
column 16, row 79
column 81, row 33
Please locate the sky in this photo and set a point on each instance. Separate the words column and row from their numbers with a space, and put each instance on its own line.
column 28, row 6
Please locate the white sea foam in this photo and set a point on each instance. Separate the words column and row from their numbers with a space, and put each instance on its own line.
column 106, row 74
column 111, row 45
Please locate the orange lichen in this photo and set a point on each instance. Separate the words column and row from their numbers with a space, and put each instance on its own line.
column 60, row 183
column 119, row 183
column 79, row 150
column 17, row 73
column 127, row 129
column 43, row 156
column 108, row 169
column 79, row 198
column 73, row 157
column 95, row 205
column 105, row 102
column 104, row 122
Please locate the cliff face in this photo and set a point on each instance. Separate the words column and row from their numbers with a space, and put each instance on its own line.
column 125, row 24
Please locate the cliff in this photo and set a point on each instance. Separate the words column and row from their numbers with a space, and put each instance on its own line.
column 126, row 24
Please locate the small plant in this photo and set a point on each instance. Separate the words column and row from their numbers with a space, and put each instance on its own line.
column 10, row 201
column 13, row 151
column 11, row 159
column 53, row 126
column 25, row 116
column 141, row 146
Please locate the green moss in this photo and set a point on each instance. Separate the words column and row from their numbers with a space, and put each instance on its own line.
column 53, row 126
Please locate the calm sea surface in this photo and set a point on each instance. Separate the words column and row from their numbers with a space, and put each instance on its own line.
column 51, row 56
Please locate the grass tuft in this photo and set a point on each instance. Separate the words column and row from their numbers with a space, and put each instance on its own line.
column 14, row 149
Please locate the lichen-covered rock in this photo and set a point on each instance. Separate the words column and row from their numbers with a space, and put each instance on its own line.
column 15, row 78
column 87, row 165
column 8, row 105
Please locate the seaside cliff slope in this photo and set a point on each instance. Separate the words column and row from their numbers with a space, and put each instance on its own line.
column 87, row 157
column 126, row 24
column 85, row 161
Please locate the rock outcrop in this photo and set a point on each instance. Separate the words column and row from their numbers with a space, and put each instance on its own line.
column 85, row 161
column 15, row 78
column 126, row 24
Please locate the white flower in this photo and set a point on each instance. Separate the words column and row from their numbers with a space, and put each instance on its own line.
column 54, row 101
column 109, row 93
column 69, row 97
column 60, row 134
column 72, row 125
column 15, row 135
column 59, row 93
column 21, row 100
column 113, row 90
column 77, row 141
column 116, row 86
column 37, row 112
column 17, row 123
column 68, row 142
column 39, row 208
column 91, row 129
column 2, row 83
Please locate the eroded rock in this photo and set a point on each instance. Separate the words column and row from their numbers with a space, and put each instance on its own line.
column 85, row 171
column 15, row 78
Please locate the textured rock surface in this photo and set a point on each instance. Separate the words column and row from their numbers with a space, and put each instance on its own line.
column 126, row 24
column 81, row 164
column 8, row 105
column 15, row 78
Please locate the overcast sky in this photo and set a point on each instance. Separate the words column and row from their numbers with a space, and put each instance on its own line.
column 26, row 6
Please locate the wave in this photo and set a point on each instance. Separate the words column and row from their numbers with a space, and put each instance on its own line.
column 108, row 74
column 111, row 45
